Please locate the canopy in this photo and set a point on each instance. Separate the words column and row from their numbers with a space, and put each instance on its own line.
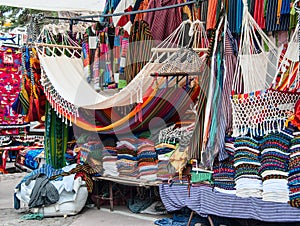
column 57, row 5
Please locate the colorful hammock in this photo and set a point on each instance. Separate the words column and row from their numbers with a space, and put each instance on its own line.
column 67, row 94
column 168, row 104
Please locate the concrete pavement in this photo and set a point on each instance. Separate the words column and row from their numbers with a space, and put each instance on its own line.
column 121, row 216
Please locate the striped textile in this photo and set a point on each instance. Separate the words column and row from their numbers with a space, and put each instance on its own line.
column 271, row 18
column 259, row 14
column 205, row 201
column 139, row 49
column 235, row 9
column 247, row 163
column 160, row 23
column 167, row 103
column 224, row 171
column 211, row 19
column 195, row 148
column 56, row 138
column 230, row 60
column 294, row 172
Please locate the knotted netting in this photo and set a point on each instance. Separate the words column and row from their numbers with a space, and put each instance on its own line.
column 262, row 105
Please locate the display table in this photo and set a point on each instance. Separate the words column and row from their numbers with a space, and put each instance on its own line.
column 119, row 180
column 205, row 202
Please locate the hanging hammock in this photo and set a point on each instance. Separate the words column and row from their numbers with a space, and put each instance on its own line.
column 67, row 91
column 257, row 57
column 260, row 110
column 168, row 101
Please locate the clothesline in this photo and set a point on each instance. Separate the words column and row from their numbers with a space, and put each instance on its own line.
column 140, row 11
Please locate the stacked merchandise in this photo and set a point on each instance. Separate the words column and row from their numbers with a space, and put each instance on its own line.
column 274, row 166
column 28, row 157
column 294, row 171
column 127, row 163
column 247, row 163
column 70, row 155
column 224, row 171
column 110, row 161
column 147, row 161
column 91, row 154
column 164, row 152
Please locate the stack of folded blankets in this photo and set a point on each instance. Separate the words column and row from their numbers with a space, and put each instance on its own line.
column 274, row 166
column 224, row 172
column 164, row 152
column 247, row 163
column 147, row 160
column 91, row 153
column 127, row 162
column 110, row 161
column 294, row 171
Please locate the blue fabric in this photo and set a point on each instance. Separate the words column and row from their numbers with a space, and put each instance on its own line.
column 16, row 202
column 205, row 201
column 110, row 6
column 285, row 7
column 45, row 169
column 30, row 158
column 181, row 219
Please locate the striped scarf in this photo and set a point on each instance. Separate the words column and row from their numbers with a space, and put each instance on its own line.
column 139, row 50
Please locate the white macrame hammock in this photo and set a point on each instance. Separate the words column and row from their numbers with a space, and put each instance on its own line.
column 63, row 76
column 257, row 59
column 261, row 110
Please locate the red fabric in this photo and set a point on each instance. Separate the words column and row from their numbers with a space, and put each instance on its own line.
column 259, row 16
column 125, row 18
column 296, row 120
column 163, row 23
column 10, row 79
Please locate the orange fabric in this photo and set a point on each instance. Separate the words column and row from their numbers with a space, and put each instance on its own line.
column 211, row 14
column 278, row 11
column 143, row 6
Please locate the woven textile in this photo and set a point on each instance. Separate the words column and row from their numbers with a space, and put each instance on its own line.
column 10, row 79
column 224, row 171
column 247, row 164
column 294, row 172
column 56, row 139
column 139, row 49
column 274, row 166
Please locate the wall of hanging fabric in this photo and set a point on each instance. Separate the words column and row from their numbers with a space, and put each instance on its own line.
column 31, row 100
column 10, row 79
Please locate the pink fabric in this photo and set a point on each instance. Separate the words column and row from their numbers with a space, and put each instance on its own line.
column 163, row 23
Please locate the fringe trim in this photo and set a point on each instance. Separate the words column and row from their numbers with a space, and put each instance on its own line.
column 64, row 109
column 261, row 113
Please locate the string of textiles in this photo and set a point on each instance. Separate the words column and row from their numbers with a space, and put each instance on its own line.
column 124, row 47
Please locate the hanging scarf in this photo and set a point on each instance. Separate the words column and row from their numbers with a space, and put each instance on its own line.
column 56, row 139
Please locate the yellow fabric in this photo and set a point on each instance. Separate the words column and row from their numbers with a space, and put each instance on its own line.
column 179, row 159
column 278, row 11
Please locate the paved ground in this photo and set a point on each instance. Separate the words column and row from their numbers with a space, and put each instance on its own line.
column 121, row 216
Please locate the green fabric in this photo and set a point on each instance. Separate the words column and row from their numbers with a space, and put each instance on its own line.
column 56, row 139
column 33, row 216
column 201, row 177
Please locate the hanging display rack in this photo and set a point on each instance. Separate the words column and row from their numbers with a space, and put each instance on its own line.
column 197, row 2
